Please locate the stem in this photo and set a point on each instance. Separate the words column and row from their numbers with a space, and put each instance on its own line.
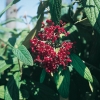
column 20, row 66
column 80, row 21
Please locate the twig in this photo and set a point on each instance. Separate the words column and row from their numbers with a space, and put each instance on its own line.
column 80, row 20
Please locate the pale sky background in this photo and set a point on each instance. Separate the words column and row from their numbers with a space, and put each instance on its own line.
column 28, row 6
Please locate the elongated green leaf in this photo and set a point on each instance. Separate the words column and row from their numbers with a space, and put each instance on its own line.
column 12, row 88
column 3, row 66
column 62, row 81
column 11, row 20
column 92, row 11
column 55, row 10
column 42, row 77
column 7, row 30
column 23, row 94
column 2, row 92
column 80, row 67
column 13, row 2
column 23, row 55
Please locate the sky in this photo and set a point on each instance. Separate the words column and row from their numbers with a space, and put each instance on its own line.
column 28, row 7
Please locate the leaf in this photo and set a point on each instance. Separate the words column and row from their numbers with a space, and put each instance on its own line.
column 2, row 92
column 71, row 28
column 11, row 20
column 2, row 50
column 37, row 27
column 96, row 82
column 55, row 10
column 5, row 29
column 42, row 77
column 64, row 9
column 23, row 55
column 15, row 68
column 62, row 81
column 3, row 66
column 24, row 94
column 10, row 4
column 34, row 31
column 80, row 67
column 12, row 88
column 12, row 40
column 15, row 1
column 22, row 37
column 41, row 91
column 92, row 11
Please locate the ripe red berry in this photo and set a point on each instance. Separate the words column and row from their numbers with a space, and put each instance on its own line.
column 45, row 52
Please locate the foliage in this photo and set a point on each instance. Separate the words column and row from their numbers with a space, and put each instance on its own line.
column 78, row 79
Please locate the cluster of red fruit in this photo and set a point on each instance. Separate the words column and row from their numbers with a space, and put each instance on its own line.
column 45, row 54
column 51, row 32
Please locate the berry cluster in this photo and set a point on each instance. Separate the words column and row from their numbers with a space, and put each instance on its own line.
column 46, row 54
column 51, row 32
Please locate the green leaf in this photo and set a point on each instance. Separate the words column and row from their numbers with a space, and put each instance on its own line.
column 15, row 68
column 5, row 29
column 23, row 55
column 13, row 2
column 42, row 77
column 41, row 91
column 11, row 20
column 12, row 88
column 71, row 28
column 2, row 92
column 80, row 67
column 96, row 82
column 2, row 50
column 3, row 66
column 22, row 37
column 55, row 10
column 15, row 60
column 23, row 94
column 62, row 81
column 92, row 11
column 64, row 9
